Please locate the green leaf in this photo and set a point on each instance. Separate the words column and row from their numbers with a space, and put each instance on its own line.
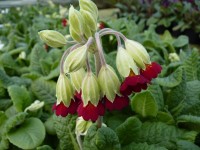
column 44, row 147
column 181, row 41
column 20, row 97
column 126, row 130
column 189, row 122
column 37, row 53
column 186, row 145
column 6, row 60
column 165, row 117
column 49, row 126
column 142, row 146
column 3, row 119
column 5, row 103
column 102, row 138
column 28, row 135
column 144, row 104
column 14, row 121
column 44, row 90
column 157, row 94
column 172, row 80
column 191, row 66
column 159, row 133
column 65, row 130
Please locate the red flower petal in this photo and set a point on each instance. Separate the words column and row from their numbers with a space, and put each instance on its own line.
column 118, row 103
column 62, row 110
column 133, row 84
column 151, row 71
column 64, row 22
column 90, row 112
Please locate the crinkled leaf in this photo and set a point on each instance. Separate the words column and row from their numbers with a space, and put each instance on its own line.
column 37, row 53
column 6, row 60
column 20, row 97
column 127, row 130
column 102, row 138
column 142, row 146
column 28, row 135
column 5, row 103
column 172, row 80
column 157, row 94
column 191, row 66
column 189, row 122
column 65, row 130
column 44, row 90
column 186, row 145
column 165, row 117
column 144, row 104
column 14, row 121
column 159, row 133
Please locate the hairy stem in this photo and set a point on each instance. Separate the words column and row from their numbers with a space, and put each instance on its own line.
column 78, row 138
column 100, row 49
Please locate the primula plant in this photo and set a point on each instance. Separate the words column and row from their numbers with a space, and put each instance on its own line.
column 87, row 93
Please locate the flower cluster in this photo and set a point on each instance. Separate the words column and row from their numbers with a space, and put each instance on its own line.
column 87, row 93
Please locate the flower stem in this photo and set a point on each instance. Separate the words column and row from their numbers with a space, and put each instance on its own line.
column 100, row 49
column 98, row 67
column 78, row 138
column 113, row 32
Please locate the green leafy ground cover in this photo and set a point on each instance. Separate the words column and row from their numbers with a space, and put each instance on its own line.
column 165, row 116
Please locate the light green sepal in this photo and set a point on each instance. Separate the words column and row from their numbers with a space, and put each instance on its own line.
column 77, row 78
column 64, row 90
column 125, row 63
column 90, row 89
column 76, row 59
column 109, row 82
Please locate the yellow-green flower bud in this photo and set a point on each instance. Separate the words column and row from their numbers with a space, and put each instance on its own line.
column 74, row 35
column 108, row 82
column 77, row 78
column 125, row 63
column 87, row 31
column 52, row 38
column 173, row 57
column 138, row 52
column 89, row 6
column 90, row 21
column 76, row 59
column 64, row 90
column 82, row 126
column 90, row 89
column 76, row 21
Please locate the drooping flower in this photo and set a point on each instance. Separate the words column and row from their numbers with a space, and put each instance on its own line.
column 91, row 112
column 152, row 70
column 133, row 83
column 109, row 82
column 119, row 103
column 62, row 110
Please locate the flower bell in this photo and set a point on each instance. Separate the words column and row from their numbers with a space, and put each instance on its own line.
column 76, row 59
column 125, row 63
column 138, row 52
column 77, row 78
column 64, row 90
column 109, row 82
column 90, row 90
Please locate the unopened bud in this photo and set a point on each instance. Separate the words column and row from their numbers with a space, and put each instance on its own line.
column 52, row 38
column 173, row 57
column 109, row 82
column 76, row 21
column 90, row 89
column 76, row 59
column 89, row 6
column 64, row 90
column 82, row 126
column 125, row 63
column 77, row 78
column 89, row 20
column 74, row 35
column 138, row 52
